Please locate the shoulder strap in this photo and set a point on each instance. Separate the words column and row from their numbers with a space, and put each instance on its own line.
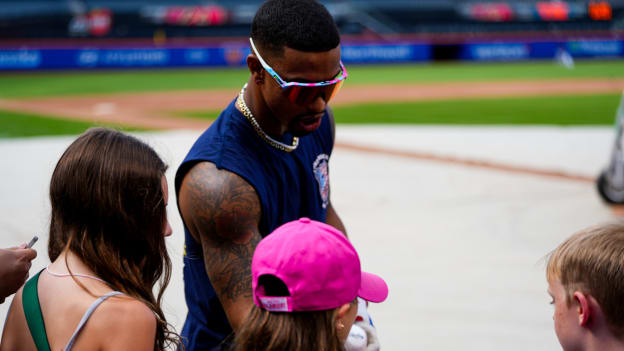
column 86, row 316
column 32, row 311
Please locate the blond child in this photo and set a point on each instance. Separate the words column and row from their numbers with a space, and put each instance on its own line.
column 586, row 282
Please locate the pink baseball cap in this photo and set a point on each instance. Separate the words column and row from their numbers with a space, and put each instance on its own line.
column 318, row 265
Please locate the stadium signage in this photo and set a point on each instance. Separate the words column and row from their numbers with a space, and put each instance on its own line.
column 96, row 23
column 385, row 53
column 594, row 48
column 122, row 58
column 234, row 54
column 187, row 16
column 553, row 10
column 600, row 10
column 489, row 12
column 496, row 51
column 20, row 59
column 546, row 11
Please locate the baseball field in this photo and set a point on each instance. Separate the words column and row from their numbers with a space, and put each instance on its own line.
column 454, row 180
column 538, row 93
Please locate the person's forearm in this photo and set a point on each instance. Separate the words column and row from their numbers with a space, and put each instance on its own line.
column 14, row 266
column 332, row 219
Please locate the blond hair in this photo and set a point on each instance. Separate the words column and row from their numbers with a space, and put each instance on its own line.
column 592, row 261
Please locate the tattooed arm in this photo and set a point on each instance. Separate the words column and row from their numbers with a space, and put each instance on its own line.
column 222, row 211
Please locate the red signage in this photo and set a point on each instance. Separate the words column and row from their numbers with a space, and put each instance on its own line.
column 600, row 11
column 100, row 22
column 491, row 12
column 196, row 16
column 553, row 11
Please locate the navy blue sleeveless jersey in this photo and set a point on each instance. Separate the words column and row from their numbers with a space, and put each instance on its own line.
column 289, row 185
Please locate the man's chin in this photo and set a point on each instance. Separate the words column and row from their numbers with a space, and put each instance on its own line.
column 299, row 133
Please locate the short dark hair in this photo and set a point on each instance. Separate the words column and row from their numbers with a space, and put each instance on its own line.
column 303, row 25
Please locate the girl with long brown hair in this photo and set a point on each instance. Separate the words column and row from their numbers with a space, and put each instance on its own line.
column 107, row 246
column 306, row 279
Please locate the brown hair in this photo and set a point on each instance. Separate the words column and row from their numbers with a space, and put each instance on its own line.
column 592, row 261
column 108, row 208
column 281, row 331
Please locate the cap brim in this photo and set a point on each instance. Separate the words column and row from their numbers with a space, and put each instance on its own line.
column 373, row 288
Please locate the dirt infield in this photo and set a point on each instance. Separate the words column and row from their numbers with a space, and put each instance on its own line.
column 158, row 109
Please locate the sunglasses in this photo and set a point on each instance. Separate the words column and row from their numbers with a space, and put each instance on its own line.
column 304, row 93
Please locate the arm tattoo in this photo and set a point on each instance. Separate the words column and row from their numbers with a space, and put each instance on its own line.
column 233, row 279
column 224, row 213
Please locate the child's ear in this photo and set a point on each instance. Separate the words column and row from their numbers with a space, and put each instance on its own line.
column 339, row 315
column 342, row 310
column 584, row 310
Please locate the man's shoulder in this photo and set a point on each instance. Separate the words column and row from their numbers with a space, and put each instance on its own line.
column 205, row 179
column 216, row 198
column 206, row 173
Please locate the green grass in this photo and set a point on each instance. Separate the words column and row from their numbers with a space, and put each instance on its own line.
column 24, row 85
column 209, row 115
column 454, row 72
column 15, row 125
column 546, row 110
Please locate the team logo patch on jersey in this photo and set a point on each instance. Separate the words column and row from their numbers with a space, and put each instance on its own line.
column 321, row 173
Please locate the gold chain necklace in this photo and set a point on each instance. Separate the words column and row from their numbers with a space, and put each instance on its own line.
column 240, row 103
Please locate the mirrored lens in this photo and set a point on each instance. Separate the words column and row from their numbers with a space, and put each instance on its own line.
column 333, row 92
column 305, row 95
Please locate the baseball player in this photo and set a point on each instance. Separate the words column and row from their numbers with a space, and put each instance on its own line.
column 262, row 163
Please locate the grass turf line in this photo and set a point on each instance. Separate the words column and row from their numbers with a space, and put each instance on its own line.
column 565, row 110
column 467, row 72
column 40, row 84
column 16, row 125
column 545, row 110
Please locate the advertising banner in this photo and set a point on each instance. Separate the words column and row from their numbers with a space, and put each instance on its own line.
column 386, row 53
column 595, row 48
column 121, row 58
column 234, row 55
column 495, row 51
column 222, row 56
column 541, row 50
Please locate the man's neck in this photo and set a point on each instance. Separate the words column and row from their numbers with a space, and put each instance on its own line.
column 261, row 112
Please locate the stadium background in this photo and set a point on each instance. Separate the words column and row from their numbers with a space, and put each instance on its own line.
column 469, row 135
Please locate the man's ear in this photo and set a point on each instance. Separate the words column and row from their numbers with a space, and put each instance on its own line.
column 584, row 308
column 255, row 68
